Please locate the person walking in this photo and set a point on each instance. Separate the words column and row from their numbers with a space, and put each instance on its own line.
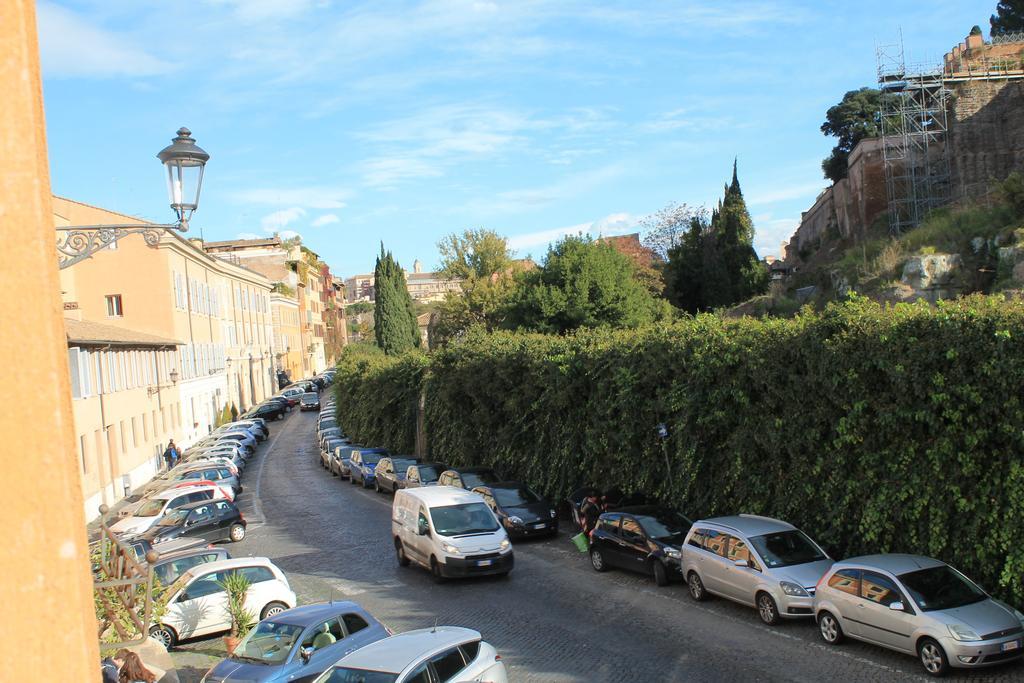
column 589, row 512
column 134, row 671
column 171, row 455
column 110, row 667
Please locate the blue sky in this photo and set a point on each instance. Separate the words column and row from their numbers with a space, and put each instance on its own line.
column 355, row 122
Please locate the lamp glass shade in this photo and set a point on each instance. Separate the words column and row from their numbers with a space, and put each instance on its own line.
column 185, row 162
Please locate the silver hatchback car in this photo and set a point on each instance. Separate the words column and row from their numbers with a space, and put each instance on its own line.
column 918, row 606
column 756, row 561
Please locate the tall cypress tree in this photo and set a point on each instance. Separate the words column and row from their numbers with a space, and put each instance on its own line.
column 745, row 275
column 394, row 322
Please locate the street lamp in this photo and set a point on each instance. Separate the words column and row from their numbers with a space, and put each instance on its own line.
column 185, row 162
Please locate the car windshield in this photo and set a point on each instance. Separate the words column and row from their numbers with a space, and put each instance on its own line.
column 371, row 459
column 664, row 525
column 468, row 518
column 175, row 518
column 511, row 498
column 151, row 508
column 941, row 587
column 309, row 397
column 473, row 479
column 400, row 465
column 347, row 675
column 268, row 643
column 430, row 473
column 787, row 548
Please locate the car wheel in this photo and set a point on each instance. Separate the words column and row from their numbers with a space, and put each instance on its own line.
column 767, row 609
column 237, row 533
column 351, row 480
column 435, row 570
column 403, row 561
column 597, row 560
column 273, row 609
column 696, row 587
column 660, row 575
column 376, row 486
column 933, row 657
column 165, row 635
column 831, row 631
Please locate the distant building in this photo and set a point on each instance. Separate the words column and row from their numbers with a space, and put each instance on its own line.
column 630, row 245
column 421, row 286
column 359, row 288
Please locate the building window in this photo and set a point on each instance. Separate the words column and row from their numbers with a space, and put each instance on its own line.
column 114, row 309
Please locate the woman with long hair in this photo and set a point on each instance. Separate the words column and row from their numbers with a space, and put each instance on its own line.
column 133, row 670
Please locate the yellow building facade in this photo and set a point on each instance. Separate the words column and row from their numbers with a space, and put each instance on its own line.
column 288, row 336
column 160, row 340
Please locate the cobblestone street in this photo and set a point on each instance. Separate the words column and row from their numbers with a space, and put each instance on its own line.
column 554, row 619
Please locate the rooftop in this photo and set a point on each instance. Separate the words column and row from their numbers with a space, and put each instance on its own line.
column 88, row 332
column 751, row 525
column 228, row 245
column 394, row 654
column 894, row 563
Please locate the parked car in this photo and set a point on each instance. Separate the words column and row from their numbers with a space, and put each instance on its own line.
column 196, row 604
column 521, row 511
column 340, row 459
column 230, row 459
column 362, row 465
column 278, row 400
column 642, row 539
column 292, row 399
column 233, row 447
column 216, row 520
column 756, row 561
column 242, row 436
column 468, row 477
column 140, row 547
column 918, row 606
column 310, row 401
column 331, row 432
column 326, row 422
column 444, row 653
column 299, row 644
column 267, row 411
column 450, row 532
column 196, row 471
column 327, row 450
column 423, row 474
column 170, row 566
column 149, row 511
column 390, row 471
column 257, row 429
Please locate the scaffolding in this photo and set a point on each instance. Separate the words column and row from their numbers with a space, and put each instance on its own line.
column 914, row 126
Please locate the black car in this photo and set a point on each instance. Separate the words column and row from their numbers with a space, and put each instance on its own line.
column 521, row 511
column 280, row 401
column 214, row 520
column 391, row 472
column 468, row 477
column 268, row 411
column 424, row 474
column 645, row 539
column 310, row 401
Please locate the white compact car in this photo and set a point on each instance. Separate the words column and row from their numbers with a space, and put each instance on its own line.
column 449, row 531
column 197, row 603
column 149, row 511
column 443, row 653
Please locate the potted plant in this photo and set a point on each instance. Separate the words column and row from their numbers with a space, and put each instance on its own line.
column 236, row 585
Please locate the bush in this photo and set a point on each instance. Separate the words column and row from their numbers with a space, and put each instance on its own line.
column 876, row 429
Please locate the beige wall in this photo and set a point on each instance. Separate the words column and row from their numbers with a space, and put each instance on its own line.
column 288, row 345
column 47, row 585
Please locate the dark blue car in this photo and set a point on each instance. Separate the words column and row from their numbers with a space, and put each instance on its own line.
column 299, row 644
column 362, row 465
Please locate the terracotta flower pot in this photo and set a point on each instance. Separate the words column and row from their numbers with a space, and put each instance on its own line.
column 230, row 643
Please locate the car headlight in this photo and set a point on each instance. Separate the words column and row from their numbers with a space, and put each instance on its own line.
column 450, row 549
column 505, row 545
column 961, row 632
column 517, row 521
column 790, row 588
column 673, row 553
column 553, row 514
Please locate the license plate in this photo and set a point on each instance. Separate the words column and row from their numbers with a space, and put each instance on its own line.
column 1012, row 645
column 539, row 526
column 484, row 563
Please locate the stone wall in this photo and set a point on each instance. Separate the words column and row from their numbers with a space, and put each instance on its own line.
column 987, row 134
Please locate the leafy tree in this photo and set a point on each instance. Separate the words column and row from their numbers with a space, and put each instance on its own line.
column 394, row 321
column 715, row 264
column 852, row 120
column 1009, row 17
column 482, row 262
column 582, row 283
column 665, row 228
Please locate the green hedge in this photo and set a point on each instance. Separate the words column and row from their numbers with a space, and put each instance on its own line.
column 375, row 403
column 874, row 429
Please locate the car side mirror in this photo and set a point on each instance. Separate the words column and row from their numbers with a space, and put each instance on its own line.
column 897, row 606
column 745, row 564
column 305, row 653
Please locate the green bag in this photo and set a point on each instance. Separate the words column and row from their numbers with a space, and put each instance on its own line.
column 581, row 542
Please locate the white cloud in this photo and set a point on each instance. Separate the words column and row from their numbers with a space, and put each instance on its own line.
column 326, row 219
column 771, row 233
column 288, row 234
column 72, row 47
column 612, row 224
column 274, row 222
column 313, row 197
column 249, row 236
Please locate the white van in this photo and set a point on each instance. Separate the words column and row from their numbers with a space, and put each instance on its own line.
column 449, row 531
